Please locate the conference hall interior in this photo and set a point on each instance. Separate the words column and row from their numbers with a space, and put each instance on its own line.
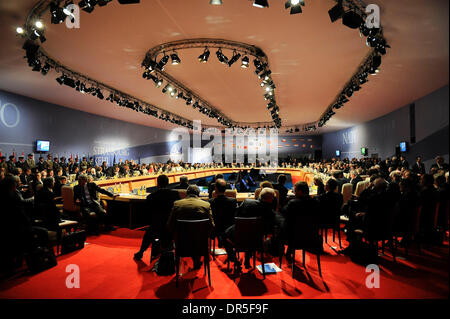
column 224, row 149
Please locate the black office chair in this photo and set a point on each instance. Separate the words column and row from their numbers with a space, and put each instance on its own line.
column 191, row 240
column 249, row 237
column 223, row 219
column 304, row 235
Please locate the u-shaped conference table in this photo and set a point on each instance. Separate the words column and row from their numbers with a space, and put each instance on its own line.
column 134, row 204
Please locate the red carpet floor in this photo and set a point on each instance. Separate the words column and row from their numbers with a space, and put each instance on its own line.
column 107, row 270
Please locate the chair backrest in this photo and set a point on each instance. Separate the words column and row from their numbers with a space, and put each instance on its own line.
column 304, row 233
column 228, row 193
column 347, row 190
column 67, row 196
column 436, row 214
column 249, row 233
column 191, row 237
column 182, row 193
column 360, row 187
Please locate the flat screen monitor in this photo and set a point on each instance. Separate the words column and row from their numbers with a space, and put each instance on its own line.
column 364, row 151
column 43, row 146
column 203, row 189
column 403, row 147
column 338, row 153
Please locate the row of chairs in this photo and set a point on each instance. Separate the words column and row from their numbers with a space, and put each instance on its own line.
column 193, row 240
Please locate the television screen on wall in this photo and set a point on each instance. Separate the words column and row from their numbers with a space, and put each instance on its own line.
column 42, row 146
column 403, row 147
column 364, row 151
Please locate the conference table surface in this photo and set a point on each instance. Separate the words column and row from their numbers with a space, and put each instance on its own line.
column 130, row 184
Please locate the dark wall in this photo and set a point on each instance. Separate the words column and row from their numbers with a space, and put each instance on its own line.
column 382, row 135
column 24, row 120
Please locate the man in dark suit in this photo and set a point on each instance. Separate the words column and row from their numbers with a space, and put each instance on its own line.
column 159, row 205
column 20, row 163
column 45, row 205
column 59, row 183
column 302, row 204
column 40, row 164
column 355, row 179
column 212, row 185
column 261, row 207
column 403, row 162
column 223, row 210
column 330, row 204
column 190, row 208
column 440, row 164
column 418, row 167
column 281, row 180
column 184, row 184
column 86, row 195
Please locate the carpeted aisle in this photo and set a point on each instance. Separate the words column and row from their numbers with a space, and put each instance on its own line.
column 107, row 270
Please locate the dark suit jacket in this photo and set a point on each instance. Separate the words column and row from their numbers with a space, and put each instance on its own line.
column 418, row 169
column 299, row 207
column 223, row 210
column 283, row 193
column 160, row 205
column 330, row 207
column 46, row 208
column 182, row 186
column 78, row 193
column 257, row 208
column 355, row 182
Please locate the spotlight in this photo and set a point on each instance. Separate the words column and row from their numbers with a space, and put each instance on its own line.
column 336, row 12
column 221, row 57
column 265, row 75
column 152, row 66
column 45, row 69
column 352, row 19
column 37, row 66
column 245, row 62
column 203, row 58
column 189, row 101
column 20, row 30
column 163, row 62
column 236, row 56
column 295, row 6
column 168, row 87
column 61, row 79
column 158, row 82
column 39, row 24
column 215, row 2
column 99, row 94
column 175, row 58
column 57, row 14
column 260, row 3
column 376, row 61
column 87, row 5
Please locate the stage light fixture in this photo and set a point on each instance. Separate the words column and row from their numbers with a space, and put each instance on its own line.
column 221, row 57
column 295, row 6
column 61, row 79
column 203, row 58
column 45, row 69
column 352, row 19
column 236, row 56
column 245, row 62
column 175, row 58
column 261, row 3
column 39, row 24
column 57, row 14
column 336, row 12
column 20, row 30
column 87, row 5
column 215, row 2
column 162, row 63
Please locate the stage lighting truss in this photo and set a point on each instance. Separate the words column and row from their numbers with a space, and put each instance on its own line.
column 235, row 51
column 38, row 60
